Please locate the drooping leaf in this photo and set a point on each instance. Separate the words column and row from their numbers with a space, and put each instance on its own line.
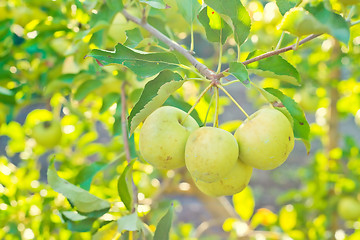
column 85, row 176
column 108, row 100
column 7, row 96
column 125, row 188
column 274, row 67
column 179, row 103
column 336, row 24
column 141, row 63
column 301, row 126
column 134, row 37
column 129, row 222
column 153, row 96
column 85, row 88
column 238, row 70
column 117, row 127
column 286, row 5
column 163, row 227
column 85, row 202
column 77, row 222
column 239, row 17
column 188, row 9
column 244, row 203
column 160, row 4
column 215, row 27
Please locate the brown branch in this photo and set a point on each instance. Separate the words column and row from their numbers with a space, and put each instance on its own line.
column 123, row 123
column 205, row 71
column 281, row 50
column 126, row 140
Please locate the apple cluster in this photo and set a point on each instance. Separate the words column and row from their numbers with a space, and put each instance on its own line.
column 219, row 163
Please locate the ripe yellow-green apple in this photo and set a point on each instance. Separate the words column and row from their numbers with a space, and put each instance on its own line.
column 357, row 118
column 234, row 182
column 265, row 139
column 162, row 137
column 48, row 133
column 300, row 22
column 349, row 208
column 210, row 154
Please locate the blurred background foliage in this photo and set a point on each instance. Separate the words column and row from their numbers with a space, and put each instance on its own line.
column 45, row 75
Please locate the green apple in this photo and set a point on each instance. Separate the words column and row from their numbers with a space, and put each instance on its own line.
column 265, row 139
column 210, row 154
column 300, row 22
column 234, row 182
column 162, row 137
column 349, row 208
column 357, row 118
column 48, row 133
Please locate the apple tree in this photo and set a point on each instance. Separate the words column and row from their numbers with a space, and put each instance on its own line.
column 111, row 114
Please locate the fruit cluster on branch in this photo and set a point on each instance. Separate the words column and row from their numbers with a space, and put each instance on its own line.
column 219, row 163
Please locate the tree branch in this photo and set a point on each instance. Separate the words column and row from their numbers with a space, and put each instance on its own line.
column 205, row 71
column 281, row 50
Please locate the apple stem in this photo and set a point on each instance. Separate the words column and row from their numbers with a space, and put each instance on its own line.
column 280, row 40
column 196, row 102
column 297, row 43
column 220, row 56
column 216, row 118
column 232, row 99
column 208, row 110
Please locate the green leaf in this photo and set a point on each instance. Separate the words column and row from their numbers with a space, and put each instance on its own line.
column 129, row 223
column 85, row 176
column 239, row 17
column 108, row 100
column 188, row 9
column 286, row 5
column 115, row 5
column 85, row 202
column 238, row 70
column 134, row 37
column 215, row 26
column 163, row 227
column 7, row 96
column 141, row 63
column 337, row 25
column 76, row 222
column 125, row 188
column 159, row 4
column 274, row 67
column 301, row 126
column 85, row 88
column 244, row 203
column 179, row 103
column 117, row 128
column 153, row 96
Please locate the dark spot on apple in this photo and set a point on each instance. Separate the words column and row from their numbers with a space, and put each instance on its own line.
column 168, row 158
column 301, row 123
column 289, row 138
column 46, row 124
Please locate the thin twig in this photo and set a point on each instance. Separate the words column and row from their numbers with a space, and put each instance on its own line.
column 281, row 50
column 123, row 123
column 172, row 44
